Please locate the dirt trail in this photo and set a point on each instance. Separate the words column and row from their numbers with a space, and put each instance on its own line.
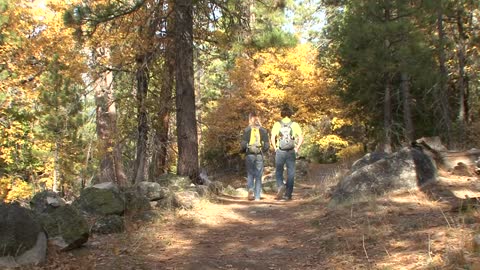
column 240, row 234
column 408, row 230
column 234, row 233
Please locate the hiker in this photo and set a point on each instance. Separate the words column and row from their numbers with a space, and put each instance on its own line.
column 254, row 143
column 286, row 138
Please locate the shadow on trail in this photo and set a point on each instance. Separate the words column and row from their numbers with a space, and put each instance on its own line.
column 304, row 234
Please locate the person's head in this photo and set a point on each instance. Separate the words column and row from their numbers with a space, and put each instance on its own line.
column 254, row 119
column 286, row 111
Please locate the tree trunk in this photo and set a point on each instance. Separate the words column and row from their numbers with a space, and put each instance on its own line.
column 461, row 69
column 407, row 111
column 443, row 95
column 387, row 101
column 140, row 169
column 85, row 168
column 462, row 101
column 185, row 92
column 387, row 116
column 111, row 167
column 56, row 171
column 161, row 139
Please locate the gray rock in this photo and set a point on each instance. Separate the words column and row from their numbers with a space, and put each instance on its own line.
column 109, row 224
column 34, row 256
column 22, row 240
column 153, row 191
column 46, row 201
column 136, row 202
column 368, row 159
column 100, row 201
column 240, row 192
column 186, row 199
column 215, row 187
column 18, row 229
column 174, row 181
column 204, row 177
column 434, row 143
column 65, row 227
column 270, row 186
column 408, row 168
column 107, row 185
column 202, row 190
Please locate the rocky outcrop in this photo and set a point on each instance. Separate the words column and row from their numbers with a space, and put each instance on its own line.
column 186, row 199
column 22, row 239
column 463, row 162
column 64, row 225
column 152, row 190
column 101, row 201
column 109, row 224
column 408, row 168
column 46, row 201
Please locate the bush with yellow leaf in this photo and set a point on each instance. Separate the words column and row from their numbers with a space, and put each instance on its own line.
column 265, row 81
column 15, row 189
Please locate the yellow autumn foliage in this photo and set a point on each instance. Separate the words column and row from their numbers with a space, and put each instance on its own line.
column 15, row 189
column 332, row 141
column 264, row 82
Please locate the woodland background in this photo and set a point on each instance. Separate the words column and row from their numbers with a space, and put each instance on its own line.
column 127, row 90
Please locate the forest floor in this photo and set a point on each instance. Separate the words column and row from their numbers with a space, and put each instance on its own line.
column 408, row 230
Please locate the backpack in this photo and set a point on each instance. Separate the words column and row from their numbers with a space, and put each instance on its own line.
column 286, row 142
column 255, row 143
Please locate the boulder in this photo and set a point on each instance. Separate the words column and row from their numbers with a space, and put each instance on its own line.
column 215, row 187
column 136, row 202
column 434, row 143
column 109, row 224
column 186, row 199
column 46, row 201
column 107, row 185
column 239, row 192
column 174, row 181
column 65, row 227
column 22, row 239
column 153, row 191
column 408, row 168
column 202, row 190
column 270, row 186
column 368, row 159
column 447, row 159
column 100, row 201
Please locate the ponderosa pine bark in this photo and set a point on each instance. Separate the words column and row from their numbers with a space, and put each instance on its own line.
column 140, row 169
column 161, row 137
column 443, row 87
column 111, row 166
column 185, row 93
column 407, row 112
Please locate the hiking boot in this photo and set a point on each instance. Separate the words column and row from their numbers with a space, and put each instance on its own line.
column 280, row 193
column 250, row 194
column 285, row 199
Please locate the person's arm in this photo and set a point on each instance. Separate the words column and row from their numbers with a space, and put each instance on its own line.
column 299, row 136
column 273, row 136
column 299, row 143
column 265, row 140
column 244, row 141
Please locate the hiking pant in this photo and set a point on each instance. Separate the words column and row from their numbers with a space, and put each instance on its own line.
column 282, row 158
column 254, row 164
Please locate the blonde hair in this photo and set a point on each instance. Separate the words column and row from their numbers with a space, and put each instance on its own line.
column 254, row 119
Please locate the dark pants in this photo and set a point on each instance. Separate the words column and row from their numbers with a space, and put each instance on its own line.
column 287, row 158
